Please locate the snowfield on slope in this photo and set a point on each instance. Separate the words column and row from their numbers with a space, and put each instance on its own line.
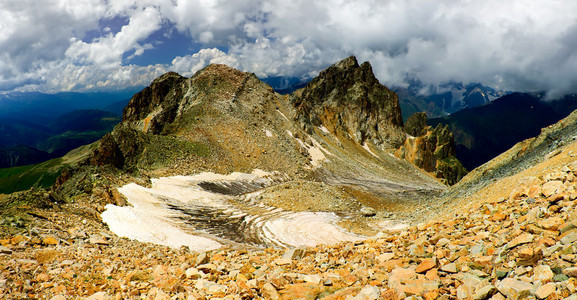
column 198, row 212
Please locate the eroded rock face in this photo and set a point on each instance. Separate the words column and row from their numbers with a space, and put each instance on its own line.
column 433, row 151
column 416, row 124
column 348, row 99
column 107, row 153
column 157, row 104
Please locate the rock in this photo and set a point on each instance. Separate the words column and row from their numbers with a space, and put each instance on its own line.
column 368, row 292
column 571, row 272
column 469, row 283
column 368, row 211
column 416, row 124
column 449, row 268
column 283, row 261
column 207, row 268
column 501, row 273
column 434, row 152
column 58, row 297
column 543, row 273
column 426, row 265
column 482, row 262
column 545, row 291
column 529, row 256
column 99, row 296
column 552, row 187
column 202, row 258
column 5, row 250
column 269, row 292
column 552, row 223
column 313, row 278
column 514, row 289
column 373, row 115
column 523, row 238
column 50, row 241
column 443, row 242
column 385, row 257
column 299, row 291
column 294, row 253
column 42, row 277
column 18, row 239
column 419, row 286
column 569, row 238
column 498, row 296
column 107, row 153
column 400, row 276
column 484, row 292
column 210, row 287
column 568, row 227
column 193, row 273
column 98, row 240
column 560, row 278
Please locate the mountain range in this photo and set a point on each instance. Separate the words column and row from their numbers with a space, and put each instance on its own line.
column 483, row 132
column 35, row 127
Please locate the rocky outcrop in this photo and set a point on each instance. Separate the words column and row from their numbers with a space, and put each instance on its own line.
column 433, row 151
column 107, row 153
column 416, row 124
column 348, row 99
column 157, row 104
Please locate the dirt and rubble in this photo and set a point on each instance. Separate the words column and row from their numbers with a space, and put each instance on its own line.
column 522, row 245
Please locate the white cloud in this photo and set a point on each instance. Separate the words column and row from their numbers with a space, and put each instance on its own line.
column 190, row 64
column 107, row 51
column 516, row 44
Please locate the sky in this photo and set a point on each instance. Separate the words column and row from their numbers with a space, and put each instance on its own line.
column 89, row 45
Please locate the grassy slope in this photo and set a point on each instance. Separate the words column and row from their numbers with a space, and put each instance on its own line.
column 40, row 175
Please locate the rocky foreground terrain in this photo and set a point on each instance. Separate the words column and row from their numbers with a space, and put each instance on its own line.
column 518, row 244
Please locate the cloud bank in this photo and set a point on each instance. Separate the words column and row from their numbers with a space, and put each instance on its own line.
column 521, row 45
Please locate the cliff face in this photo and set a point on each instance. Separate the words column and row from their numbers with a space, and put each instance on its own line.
column 433, row 150
column 157, row 104
column 347, row 99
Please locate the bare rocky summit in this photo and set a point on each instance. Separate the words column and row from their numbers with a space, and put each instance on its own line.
column 349, row 100
column 431, row 149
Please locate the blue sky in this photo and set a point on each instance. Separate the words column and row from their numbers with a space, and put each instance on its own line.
column 86, row 45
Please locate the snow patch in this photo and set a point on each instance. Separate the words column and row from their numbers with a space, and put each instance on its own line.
column 280, row 112
column 366, row 147
column 295, row 230
column 268, row 133
column 162, row 214
column 146, row 226
column 324, row 129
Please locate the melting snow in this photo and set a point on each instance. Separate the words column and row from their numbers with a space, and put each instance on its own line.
column 157, row 215
column 366, row 147
column 324, row 129
column 280, row 112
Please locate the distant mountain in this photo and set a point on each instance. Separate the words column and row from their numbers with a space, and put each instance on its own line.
column 484, row 132
column 35, row 126
column 22, row 155
column 445, row 99
column 23, row 142
column 41, row 108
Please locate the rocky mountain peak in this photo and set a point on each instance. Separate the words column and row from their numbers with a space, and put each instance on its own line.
column 348, row 99
column 431, row 149
column 160, row 94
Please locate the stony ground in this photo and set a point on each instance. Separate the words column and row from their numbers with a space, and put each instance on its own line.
column 523, row 246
